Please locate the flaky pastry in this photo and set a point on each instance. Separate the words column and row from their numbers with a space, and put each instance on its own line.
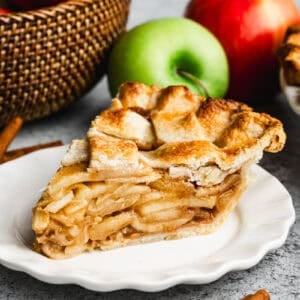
column 158, row 164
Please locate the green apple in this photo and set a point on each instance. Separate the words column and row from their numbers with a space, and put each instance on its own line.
column 171, row 51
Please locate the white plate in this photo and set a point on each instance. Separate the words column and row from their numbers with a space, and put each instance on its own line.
column 260, row 223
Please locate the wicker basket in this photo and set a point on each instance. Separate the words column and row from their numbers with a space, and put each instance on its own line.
column 50, row 57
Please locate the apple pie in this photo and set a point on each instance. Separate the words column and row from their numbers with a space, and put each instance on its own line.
column 159, row 164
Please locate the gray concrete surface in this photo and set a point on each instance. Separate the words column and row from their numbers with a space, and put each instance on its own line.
column 279, row 271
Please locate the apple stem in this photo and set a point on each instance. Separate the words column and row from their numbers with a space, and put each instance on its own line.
column 196, row 80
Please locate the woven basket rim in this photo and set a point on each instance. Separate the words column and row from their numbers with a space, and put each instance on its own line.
column 52, row 56
column 49, row 10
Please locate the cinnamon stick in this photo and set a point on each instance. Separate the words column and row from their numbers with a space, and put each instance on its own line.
column 8, row 134
column 13, row 154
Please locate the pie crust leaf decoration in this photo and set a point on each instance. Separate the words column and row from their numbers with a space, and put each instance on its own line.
column 159, row 164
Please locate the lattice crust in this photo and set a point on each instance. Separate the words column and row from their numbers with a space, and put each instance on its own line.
column 147, row 128
column 223, row 131
column 159, row 164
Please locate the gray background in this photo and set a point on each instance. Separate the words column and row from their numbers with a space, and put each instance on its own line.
column 278, row 272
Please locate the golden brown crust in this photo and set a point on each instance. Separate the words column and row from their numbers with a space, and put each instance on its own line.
column 126, row 124
column 178, row 99
column 134, row 94
column 220, row 111
column 179, row 127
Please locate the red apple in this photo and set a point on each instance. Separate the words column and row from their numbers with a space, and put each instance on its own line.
column 4, row 11
column 32, row 4
column 251, row 32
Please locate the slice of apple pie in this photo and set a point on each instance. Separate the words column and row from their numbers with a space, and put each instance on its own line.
column 158, row 164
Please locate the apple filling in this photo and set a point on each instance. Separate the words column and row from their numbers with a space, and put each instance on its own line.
column 88, row 213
